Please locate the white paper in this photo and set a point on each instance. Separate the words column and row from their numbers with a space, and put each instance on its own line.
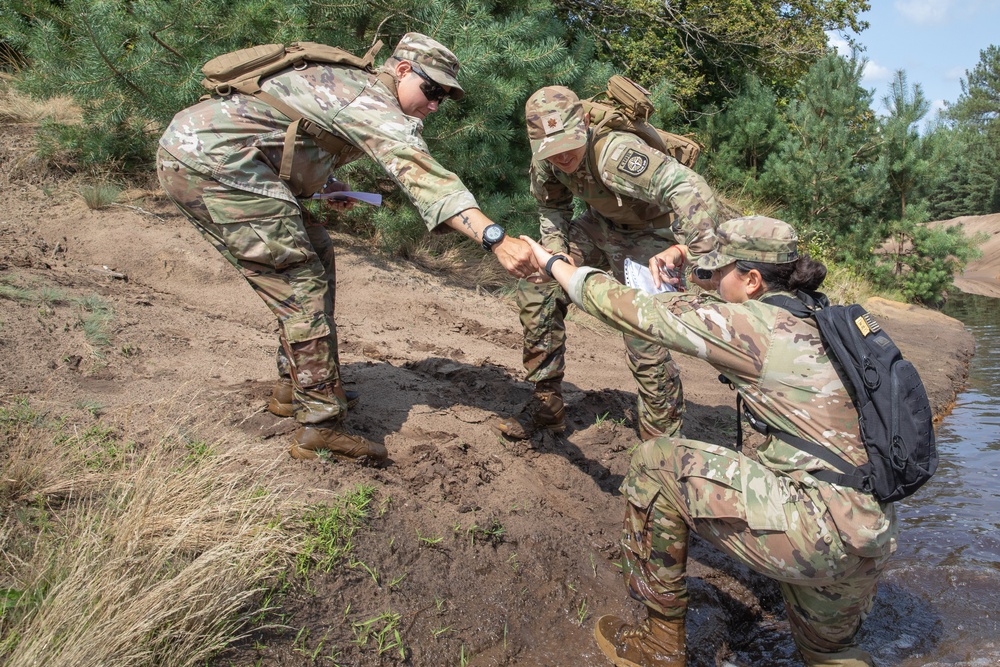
column 638, row 276
column 366, row 197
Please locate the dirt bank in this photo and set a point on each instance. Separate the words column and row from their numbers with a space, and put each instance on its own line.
column 981, row 276
column 501, row 552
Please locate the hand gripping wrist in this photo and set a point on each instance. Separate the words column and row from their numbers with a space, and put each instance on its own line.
column 552, row 260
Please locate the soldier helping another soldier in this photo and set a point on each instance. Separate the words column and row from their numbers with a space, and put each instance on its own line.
column 228, row 163
column 826, row 545
column 639, row 201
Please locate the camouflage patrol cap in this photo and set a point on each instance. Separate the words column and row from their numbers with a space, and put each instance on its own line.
column 555, row 121
column 753, row 239
column 433, row 58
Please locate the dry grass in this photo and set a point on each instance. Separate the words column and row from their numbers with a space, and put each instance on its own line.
column 463, row 261
column 99, row 196
column 158, row 562
column 17, row 108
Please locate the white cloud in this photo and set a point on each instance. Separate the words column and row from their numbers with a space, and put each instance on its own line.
column 936, row 107
column 838, row 43
column 955, row 73
column 875, row 74
column 924, row 12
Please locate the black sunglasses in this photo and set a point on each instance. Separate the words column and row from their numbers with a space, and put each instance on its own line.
column 703, row 274
column 431, row 89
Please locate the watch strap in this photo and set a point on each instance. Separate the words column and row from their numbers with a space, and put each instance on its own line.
column 552, row 260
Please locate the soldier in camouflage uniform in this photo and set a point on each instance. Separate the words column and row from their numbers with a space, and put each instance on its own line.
column 825, row 545
column 639, row 201
column 218, row 161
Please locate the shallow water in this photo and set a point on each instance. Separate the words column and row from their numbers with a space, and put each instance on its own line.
column 945, row 577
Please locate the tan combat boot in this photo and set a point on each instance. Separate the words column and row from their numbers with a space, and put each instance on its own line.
column 852, row 657
column 656, row 642
column 544, row 412
column 282, row 399
column 310, row 439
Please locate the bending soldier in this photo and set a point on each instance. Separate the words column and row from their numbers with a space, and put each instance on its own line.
column 825, row 545
column 639, row 201
column 219, row 163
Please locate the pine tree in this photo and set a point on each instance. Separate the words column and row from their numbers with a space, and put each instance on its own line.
column 964, row 181
column 739, row 139
column 132, row 64
column 977, row 114
column 819, row 169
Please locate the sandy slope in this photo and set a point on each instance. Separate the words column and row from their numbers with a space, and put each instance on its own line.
column 434, row 362
column 981, row 276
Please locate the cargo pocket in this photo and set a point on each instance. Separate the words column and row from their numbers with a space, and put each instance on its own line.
column 734, row 487
column 637, row 536
column 259, row 229
column 305, row 327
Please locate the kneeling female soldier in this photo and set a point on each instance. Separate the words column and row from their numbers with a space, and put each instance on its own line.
column 825, row 545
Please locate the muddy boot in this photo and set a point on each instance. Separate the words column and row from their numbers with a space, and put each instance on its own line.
column 544, row 412
column 656, row 642
column 282, row 399
column 329, row 436
column 852, row 657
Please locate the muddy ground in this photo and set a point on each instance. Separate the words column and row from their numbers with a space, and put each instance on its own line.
column 492, row 553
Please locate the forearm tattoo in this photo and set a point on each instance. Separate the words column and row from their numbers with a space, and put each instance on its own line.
column 468, row 224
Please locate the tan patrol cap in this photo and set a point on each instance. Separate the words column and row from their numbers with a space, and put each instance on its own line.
column 753, row 239
column 434, row 58
column 555, row 121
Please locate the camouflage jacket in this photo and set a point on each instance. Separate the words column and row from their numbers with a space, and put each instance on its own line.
column 779, row 364
column 238, row 140
column 639, row 186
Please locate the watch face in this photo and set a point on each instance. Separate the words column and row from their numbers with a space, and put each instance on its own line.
column 492, row 233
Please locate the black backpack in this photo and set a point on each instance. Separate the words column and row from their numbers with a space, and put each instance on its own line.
column 893, row 411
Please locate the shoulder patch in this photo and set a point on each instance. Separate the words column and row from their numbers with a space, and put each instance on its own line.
column 633, row 163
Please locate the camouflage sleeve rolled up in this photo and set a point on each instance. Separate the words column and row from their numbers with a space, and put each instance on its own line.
column 373, row 121
column 239, row 140
column 555, row 206
column 777, row 360
column 630, row 168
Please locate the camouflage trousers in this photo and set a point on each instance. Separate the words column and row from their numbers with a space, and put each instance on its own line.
column 289, row 264
column 543, row 307
column 756, row 516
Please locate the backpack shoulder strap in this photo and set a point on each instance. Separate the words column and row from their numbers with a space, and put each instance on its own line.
column 804, row 305
column 242, row 71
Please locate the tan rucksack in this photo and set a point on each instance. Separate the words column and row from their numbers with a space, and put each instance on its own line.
column 241, row 71
column 625, row 106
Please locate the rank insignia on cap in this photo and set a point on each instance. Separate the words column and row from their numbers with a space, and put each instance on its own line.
column 633, row 162
column 552, row 123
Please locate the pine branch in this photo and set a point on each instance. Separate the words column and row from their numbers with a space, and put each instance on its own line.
column 138, row 91
column 152, row 33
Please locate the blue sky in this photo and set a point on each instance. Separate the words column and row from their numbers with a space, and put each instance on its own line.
column 934, row 41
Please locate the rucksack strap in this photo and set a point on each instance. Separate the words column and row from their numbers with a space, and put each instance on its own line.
column 845, row 474
column 328, row 141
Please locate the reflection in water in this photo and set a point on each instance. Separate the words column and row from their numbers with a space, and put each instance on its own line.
column 954, row 520
column 949, row 548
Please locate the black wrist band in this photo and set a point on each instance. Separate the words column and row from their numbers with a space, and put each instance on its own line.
column 553, row 260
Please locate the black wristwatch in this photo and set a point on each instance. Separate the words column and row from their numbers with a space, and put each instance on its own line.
column 492, row 235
